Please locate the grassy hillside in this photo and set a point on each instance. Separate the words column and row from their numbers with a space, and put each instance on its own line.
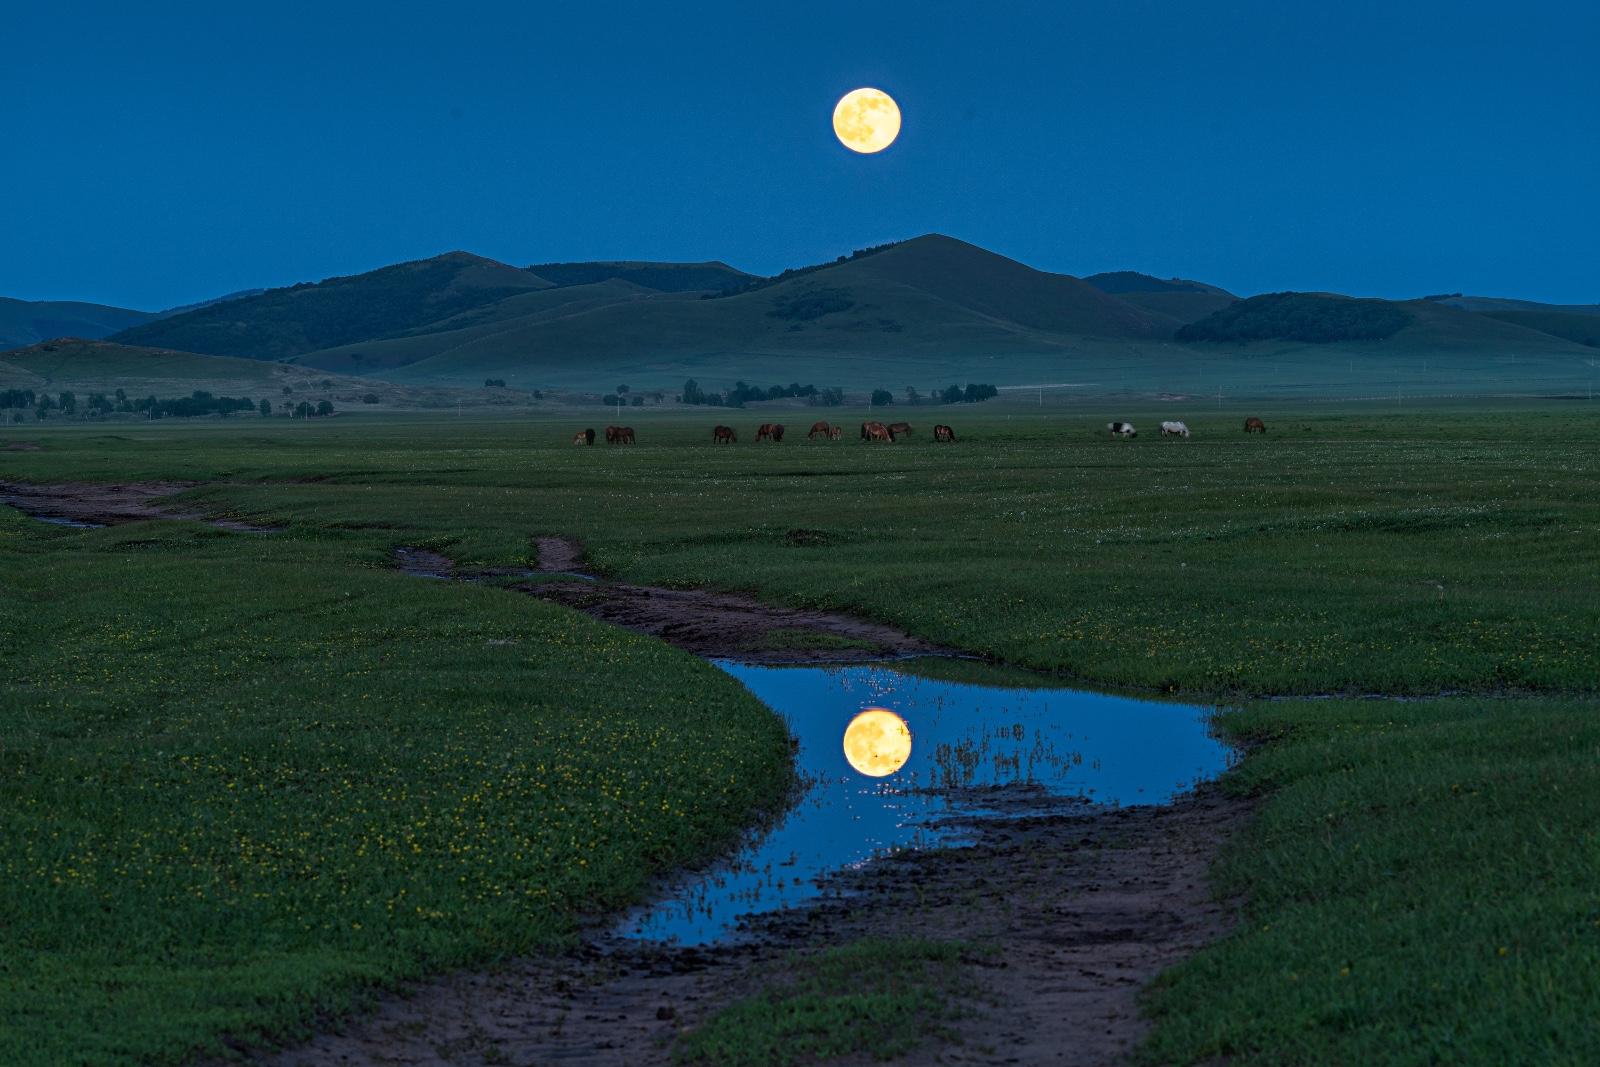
column 1500, row 303
column 932, row 307
column 1122, row 282
column 26, row 322
column 286, row 322
column 503, row 317
column 664, row 277
column 1576, row 326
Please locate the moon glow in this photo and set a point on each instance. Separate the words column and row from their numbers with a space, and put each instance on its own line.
column 877, row 742
column 866, row 120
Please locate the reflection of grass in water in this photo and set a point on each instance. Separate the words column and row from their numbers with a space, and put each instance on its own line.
column 877, row 997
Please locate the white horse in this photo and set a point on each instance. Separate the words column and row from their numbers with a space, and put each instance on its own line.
column 1174, row 429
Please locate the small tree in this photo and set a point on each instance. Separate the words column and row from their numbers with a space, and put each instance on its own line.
column 302, row 410
column 622, row 389
column 912, row 396
column 882, row 398
column 69, row 402
column 324, row 407
column 266, row 407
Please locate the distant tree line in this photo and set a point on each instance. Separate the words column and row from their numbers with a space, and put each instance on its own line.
column 975, row 392
column 1307, row 317
column 197, row 403
column 742, row 394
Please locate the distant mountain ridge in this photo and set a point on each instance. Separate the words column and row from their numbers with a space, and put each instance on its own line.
column 280, row 323
column 713, row 276
column 932, row 307
column 26, row 322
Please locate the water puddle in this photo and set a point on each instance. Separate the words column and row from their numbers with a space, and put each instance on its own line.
column 976, row 748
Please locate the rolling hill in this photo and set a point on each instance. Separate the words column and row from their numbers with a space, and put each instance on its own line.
column 286, row 322
column 933, row 303
column 928, row 311
column 662, row 277
column 26, row 322
column 1180, row 299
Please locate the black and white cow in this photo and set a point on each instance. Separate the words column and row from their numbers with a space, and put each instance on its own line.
column 1121, row 429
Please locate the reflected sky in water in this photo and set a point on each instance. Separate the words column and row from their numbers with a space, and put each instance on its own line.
column 975, row 749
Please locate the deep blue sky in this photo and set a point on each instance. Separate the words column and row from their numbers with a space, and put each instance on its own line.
column 158, row 157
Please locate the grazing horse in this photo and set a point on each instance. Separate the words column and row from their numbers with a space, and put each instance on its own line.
column 612, row 433
column 876, row 431
column 1174, row 429
column 723, row 435
column 1122, row 429
column 1254, row 425
column 941, row 432
column 583, row 437
column 769, row 431
column 835, row 432
column 819, row 427
column 625, row 435
column 900, row 429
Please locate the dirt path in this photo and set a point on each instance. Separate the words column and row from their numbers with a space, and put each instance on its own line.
column 714, row 625
column 109, row 505
column 727, row 626
column 1085, row 907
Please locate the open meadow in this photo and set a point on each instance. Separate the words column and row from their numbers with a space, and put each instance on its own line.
column 246, row 778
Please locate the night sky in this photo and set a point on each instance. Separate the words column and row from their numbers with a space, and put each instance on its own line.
column 161, row 157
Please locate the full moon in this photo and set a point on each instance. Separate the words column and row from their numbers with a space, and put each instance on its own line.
column 877, row 742
column 866, row 120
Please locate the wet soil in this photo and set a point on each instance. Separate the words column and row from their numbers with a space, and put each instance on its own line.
column 1081, row 906
column 109, row 505
column 728, row 626
column 710, row 624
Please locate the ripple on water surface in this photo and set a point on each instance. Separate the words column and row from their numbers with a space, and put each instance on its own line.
column 974, row 748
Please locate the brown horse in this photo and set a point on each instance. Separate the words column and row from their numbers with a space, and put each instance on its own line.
column 777, row 431
column 876, row 431
column 625, row 435
column 769, row 431
column 583, row 437
column 1254, row 425
column 612, row 433
column 819, row 427
column 723, row 435
column 836, row 432
column 941, row 432
column 900, row 429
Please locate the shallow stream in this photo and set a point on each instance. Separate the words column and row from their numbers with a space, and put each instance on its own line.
column 982, row 746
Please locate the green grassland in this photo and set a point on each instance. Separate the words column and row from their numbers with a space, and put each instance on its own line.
column 1348, row 551
column 243, row 778
column 881, row 998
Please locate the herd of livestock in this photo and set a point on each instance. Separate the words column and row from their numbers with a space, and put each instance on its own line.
column 877, row 431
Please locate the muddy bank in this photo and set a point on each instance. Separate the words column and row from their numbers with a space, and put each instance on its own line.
column 1083, row 906
column 710, row 624
column 727, row 626
column 109, row 505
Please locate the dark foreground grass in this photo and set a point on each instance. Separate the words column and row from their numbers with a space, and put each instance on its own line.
column 243, row 777
column 1423, row 886
column 874, row 997
column 1442, row 551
